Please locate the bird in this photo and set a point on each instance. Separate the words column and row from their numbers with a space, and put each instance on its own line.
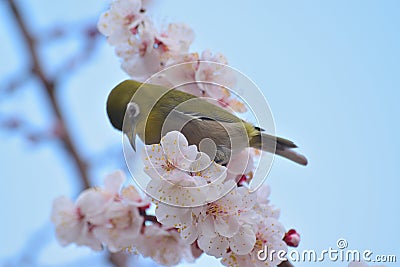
column 149, row 111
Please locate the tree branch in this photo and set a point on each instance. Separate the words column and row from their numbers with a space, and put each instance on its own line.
column 285, row 264
column 49, row 86
column 119, row 259
column 150, row 218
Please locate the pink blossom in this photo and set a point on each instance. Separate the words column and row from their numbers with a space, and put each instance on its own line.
column 164, row 246
column 71, row 226
column 120, row 20
column 100, row 216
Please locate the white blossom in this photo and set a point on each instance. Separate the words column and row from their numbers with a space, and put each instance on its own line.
column 163, row 246
column 181, row 175
column 262, row 206
column 220, row 222
column 269, row 236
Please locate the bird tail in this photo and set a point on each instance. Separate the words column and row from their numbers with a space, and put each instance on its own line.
column 282, row 147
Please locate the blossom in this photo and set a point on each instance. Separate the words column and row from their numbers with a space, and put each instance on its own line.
column 183, row 219
column 216, row 79
column 121, row 226
column 217, row 225
column 77, row 222
column 269, row 236
column 220, row 224
column 100, row 216
column 169, row 160
column 262, row 206
column 176, row 39
column 163, row 246
column 71, row 226
column 120, row 223
column 241, row 163
column 181, row 175
column 121, row 20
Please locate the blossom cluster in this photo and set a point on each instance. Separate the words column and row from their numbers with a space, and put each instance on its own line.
column 145, row 50
column 100, row 216
column 115, row 218
column 180, row 175
column 233, row 228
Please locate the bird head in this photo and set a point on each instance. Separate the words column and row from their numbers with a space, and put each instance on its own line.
column 119, row 102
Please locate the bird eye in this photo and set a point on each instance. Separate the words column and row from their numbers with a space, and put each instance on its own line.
column 133, row 109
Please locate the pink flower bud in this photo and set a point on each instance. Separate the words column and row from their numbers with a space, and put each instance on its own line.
column 292, row 238
column 242, row 179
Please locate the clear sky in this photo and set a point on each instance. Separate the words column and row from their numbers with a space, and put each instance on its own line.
column 329, row 69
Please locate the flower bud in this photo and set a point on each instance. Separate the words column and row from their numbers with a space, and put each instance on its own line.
column 292, row 238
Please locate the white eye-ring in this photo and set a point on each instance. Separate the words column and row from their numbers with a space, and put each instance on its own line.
column 133, row 109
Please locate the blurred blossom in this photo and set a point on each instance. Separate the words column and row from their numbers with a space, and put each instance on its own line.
column 163, row 246
column 100, row 216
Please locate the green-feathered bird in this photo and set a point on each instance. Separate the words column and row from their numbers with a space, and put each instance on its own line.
column 154, row 107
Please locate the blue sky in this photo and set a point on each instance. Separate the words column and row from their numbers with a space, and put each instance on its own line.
column 329, row 69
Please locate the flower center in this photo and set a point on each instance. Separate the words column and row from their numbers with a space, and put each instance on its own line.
column 216, row 210
column 129, row 19
column 168, row 166
column 260, row 241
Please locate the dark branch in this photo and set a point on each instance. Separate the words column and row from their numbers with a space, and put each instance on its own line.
column 49, row 85
column 150, row 218
column 119, row 259
column 285, row 264
column 50, row 89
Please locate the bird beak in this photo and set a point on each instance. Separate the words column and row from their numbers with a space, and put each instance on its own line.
column 130, row 131
column 132, row 140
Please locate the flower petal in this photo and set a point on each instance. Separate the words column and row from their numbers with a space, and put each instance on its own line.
column 216, row 246
column 92, row 202
column 114, row 181
column 226, row 226
column 243, row 242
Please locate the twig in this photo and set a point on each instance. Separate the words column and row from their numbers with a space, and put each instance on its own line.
column 119, row 259
column 15, row 82
column 150, row 218
column 49, row 86
column 285, row 264
column 88, row 46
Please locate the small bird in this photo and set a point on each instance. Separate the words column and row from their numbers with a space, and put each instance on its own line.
column 154, row 110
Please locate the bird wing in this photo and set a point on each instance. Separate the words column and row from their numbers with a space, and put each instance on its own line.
column 202, row 109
